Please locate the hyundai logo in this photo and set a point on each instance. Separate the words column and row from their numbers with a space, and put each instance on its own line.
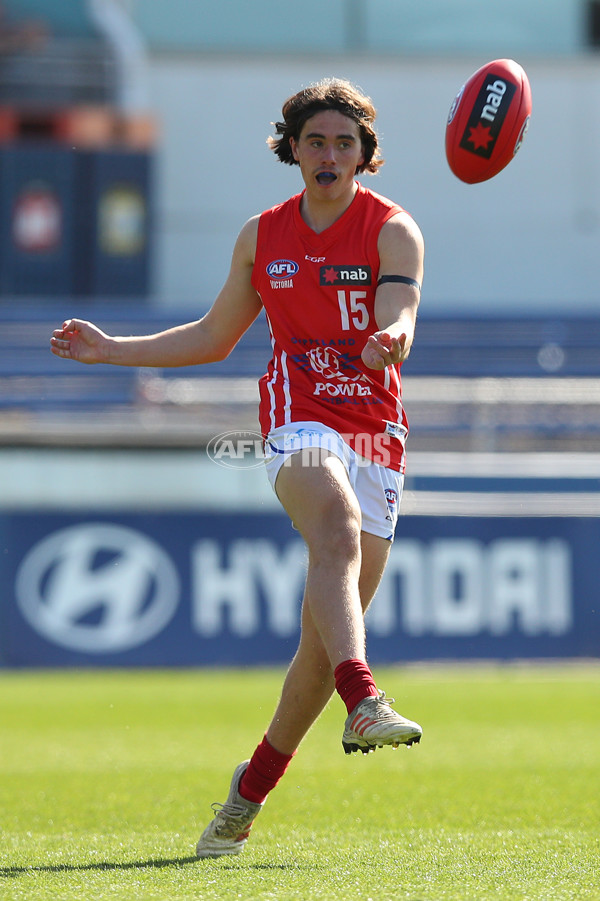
column 97, row 588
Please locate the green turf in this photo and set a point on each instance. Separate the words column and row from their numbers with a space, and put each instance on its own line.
column 106, row 781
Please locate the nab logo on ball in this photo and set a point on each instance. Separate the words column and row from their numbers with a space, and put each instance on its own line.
column 488, row 120
column 487, row 117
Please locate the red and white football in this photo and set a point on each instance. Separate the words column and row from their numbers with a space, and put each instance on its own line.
column 488, row 120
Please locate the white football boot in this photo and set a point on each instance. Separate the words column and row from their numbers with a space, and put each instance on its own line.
column 373, row 724
column 228, row 832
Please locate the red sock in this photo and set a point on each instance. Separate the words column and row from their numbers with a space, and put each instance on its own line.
column 265, row 769
column 354, row 682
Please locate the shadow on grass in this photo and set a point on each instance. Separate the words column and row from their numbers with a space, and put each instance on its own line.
column 14, row 872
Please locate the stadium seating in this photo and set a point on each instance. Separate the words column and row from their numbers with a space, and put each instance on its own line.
column 471, row 382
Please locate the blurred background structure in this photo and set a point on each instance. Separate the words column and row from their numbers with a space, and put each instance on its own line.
column 132, row 149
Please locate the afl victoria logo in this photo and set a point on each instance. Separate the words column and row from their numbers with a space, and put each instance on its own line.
column 97, row 588
column 282, row 269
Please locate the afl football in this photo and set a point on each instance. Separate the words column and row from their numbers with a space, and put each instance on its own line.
column 488, row 120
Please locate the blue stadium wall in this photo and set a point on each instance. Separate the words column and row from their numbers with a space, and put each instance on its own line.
column 177, row 587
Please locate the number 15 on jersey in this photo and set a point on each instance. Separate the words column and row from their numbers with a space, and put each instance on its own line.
column 353, row 309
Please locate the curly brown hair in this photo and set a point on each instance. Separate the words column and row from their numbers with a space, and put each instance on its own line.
column 330, row 93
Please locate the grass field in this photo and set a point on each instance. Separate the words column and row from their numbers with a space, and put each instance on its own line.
column 106, row 780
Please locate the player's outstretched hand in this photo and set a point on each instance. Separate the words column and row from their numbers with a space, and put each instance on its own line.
column 382, row 350
column 79, row 340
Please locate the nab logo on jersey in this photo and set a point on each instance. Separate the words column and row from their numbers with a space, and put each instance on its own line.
column 282, row 269
column 345, row 275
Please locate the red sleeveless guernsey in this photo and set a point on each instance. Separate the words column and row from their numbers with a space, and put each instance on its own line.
column 318, row 291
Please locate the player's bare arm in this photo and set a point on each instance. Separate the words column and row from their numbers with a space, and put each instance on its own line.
column 205, row 340
column 401, row 253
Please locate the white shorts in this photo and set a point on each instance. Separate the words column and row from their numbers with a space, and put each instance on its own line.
column 378, row 489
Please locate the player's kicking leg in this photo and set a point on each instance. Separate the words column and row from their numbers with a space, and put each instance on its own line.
column 306, row 690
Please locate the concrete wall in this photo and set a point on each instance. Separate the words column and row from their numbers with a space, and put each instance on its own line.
column 527, row 241
column 397, row 26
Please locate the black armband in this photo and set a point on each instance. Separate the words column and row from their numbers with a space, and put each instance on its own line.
column 399, row 278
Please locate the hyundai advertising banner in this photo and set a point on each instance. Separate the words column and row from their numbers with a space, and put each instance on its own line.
column 181, row 589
